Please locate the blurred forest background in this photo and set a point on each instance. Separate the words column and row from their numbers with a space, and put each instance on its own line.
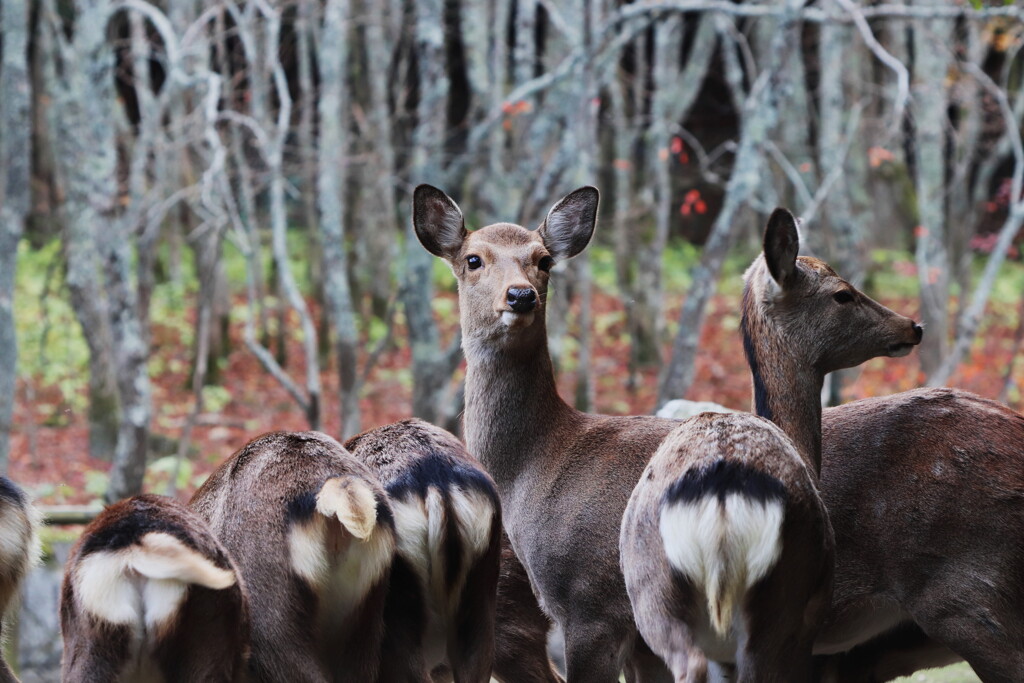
column 204, row 206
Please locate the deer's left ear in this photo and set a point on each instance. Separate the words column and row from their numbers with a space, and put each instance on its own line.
column 438, row 221
column 570, row 223
column 781, row 245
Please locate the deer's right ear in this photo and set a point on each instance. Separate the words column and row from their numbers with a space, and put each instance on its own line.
column 438, row 221
column 570, row 223
column 781, row 245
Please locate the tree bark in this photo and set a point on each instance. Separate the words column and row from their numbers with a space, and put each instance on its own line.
column 15, row 192
column 931, row 62
column 759, row 117
column 83, row 102
column 332, row 61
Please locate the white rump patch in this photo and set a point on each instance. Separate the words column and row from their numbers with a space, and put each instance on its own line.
column 723, row 548
column 345, row 574
column 145, row 582
column 474, row 513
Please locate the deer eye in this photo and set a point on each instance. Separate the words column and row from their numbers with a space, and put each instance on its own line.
column 474, row 262
column 843, row 296
column 545, row 263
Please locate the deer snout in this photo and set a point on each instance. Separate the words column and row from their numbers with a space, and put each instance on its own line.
column 918, row 332
column 520, row 299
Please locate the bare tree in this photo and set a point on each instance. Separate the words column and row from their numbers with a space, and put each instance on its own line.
column 15, row 173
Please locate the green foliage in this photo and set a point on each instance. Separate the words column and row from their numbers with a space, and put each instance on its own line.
column 96, row 483
column 162, row 469
column 216, row 398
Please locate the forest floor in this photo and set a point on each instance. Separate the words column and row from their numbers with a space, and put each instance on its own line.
column 50, row 438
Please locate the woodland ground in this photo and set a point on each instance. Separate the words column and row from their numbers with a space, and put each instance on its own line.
column 49, row 455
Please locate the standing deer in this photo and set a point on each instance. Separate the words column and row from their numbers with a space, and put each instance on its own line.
column 150, row 595
column 439, row 613
column 563, row 476
column 19, row 551
column 925, row 490
column 725, row 542
column 521, row 627
column 313, row 535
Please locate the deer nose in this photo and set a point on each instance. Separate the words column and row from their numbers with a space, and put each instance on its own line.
column 521, row 300
column 918, row 331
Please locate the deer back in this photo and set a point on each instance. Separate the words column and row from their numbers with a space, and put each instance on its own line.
column 312, row 533
column 150, row 595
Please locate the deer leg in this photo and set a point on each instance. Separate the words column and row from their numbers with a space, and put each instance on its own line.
column 775, row 664
column 592, row 654
column 989, row 642
column 643, row 666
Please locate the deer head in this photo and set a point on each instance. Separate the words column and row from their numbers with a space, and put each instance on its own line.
column 503, row 269
column 824, row 322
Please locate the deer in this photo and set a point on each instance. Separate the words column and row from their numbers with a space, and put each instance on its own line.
column 313, row 535
column 439, row 612
column 925, row 489
column 563, row 476
column 726, row 543
column 19, row 552
column 521, row 627
column 149, row 594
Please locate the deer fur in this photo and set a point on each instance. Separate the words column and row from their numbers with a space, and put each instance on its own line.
column 521, row 627
column 150, row 595
column 441, row 600
column 925, row 490
column 563, row 476
column 726, row 542
column 19, row 552
column 313, row 535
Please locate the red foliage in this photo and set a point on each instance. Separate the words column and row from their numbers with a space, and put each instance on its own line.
column 50, row 440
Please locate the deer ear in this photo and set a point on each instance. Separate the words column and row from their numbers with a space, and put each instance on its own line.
column 781, row 245
column 570, row 223
column 438, row 221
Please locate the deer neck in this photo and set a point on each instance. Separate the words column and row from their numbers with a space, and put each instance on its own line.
column 786, row 391
column 512, row 403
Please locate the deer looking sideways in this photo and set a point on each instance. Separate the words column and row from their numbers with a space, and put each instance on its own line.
column 725, row 541
column 564, row 476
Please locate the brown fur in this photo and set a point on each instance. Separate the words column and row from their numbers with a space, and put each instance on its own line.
column 521, row 629
column 792, row 322
column 254, row 502
column 206, row 638
column 926, row 493
column 456, row 586
column 563, row 476
column 19, row 525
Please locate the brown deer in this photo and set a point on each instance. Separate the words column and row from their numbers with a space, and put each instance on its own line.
column 313, row 535
column 521, row 627
column 925, row 490
column 150, row 595
column 725, row 542
column 19, row 551
column 439, row 613
column 563, row 476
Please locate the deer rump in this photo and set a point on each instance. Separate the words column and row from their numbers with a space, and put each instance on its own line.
column 439, row 613
column 149, row 594
column 313, row 535
column 727, row 548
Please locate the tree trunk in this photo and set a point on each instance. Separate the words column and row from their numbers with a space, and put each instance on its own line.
column 83, row 101
column 758, row 118
column 15, row 192
column 931, row 62
column 332, row 176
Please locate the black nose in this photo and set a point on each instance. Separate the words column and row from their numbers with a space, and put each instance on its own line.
column 918, row 330
column 521, row 300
